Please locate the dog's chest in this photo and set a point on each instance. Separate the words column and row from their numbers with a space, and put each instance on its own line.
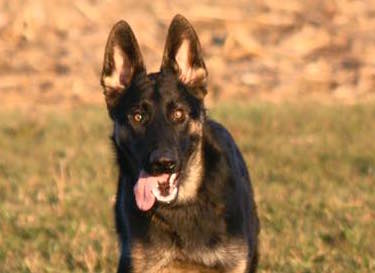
column 165, row 259
column 189, row 229
column 189, row 247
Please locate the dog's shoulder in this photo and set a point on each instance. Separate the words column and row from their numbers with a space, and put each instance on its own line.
column 218, row 136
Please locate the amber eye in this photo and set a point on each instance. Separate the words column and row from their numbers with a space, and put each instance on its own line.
column 138, row 117
column 177, row 115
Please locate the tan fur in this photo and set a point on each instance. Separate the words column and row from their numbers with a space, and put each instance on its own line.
column 188, row 74
column 192, row 178
column 230, row 257
column 122, row 71
column 240, row 267
column 183, row 267
column 196, row 127
column 182, row 57
column 150, row 260
column 193, row 175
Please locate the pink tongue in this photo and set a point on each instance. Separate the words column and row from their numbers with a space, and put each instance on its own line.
column 143, row 189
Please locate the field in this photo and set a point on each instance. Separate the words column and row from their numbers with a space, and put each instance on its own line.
column 313, row 170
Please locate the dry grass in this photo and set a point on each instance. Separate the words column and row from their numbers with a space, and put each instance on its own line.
column 313, row 170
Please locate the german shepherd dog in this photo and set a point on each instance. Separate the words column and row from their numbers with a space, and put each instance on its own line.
column 184, row 199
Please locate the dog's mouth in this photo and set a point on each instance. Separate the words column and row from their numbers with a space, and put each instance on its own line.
column 149, row 188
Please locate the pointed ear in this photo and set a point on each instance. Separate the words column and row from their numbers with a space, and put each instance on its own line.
column 183, row 54
column 122, row 62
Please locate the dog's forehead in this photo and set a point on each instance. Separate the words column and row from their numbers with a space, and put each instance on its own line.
column 164, row 86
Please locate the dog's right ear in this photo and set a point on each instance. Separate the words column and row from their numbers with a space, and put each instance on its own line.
column 122, row 62
column 183, row 54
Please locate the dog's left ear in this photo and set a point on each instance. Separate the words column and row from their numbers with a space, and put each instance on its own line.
column 183, row 54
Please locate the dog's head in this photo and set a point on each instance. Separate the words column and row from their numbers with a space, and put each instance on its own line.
column 158, row 118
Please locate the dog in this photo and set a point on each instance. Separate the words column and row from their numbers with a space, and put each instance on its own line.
column 184, row 200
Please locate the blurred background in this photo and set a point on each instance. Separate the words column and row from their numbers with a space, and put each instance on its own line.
column 294, row 81
column 51, row 51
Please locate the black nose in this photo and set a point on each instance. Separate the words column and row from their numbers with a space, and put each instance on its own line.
column 162, row 162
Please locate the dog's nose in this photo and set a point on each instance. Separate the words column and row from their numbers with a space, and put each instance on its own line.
column 162, row 162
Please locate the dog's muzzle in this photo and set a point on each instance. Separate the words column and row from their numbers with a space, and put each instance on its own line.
column 149, row 188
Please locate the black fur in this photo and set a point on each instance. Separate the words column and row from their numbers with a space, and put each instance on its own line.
column 221, row 214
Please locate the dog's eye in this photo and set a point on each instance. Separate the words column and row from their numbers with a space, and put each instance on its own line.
column 178, row 115
column 138, row 117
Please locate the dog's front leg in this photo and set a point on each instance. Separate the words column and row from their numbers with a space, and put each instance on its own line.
column 125, row 262
column 124, row 265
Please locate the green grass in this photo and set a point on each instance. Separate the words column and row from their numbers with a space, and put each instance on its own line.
column 313, row 170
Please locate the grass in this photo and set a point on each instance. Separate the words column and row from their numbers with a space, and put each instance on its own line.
column 313, row 170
